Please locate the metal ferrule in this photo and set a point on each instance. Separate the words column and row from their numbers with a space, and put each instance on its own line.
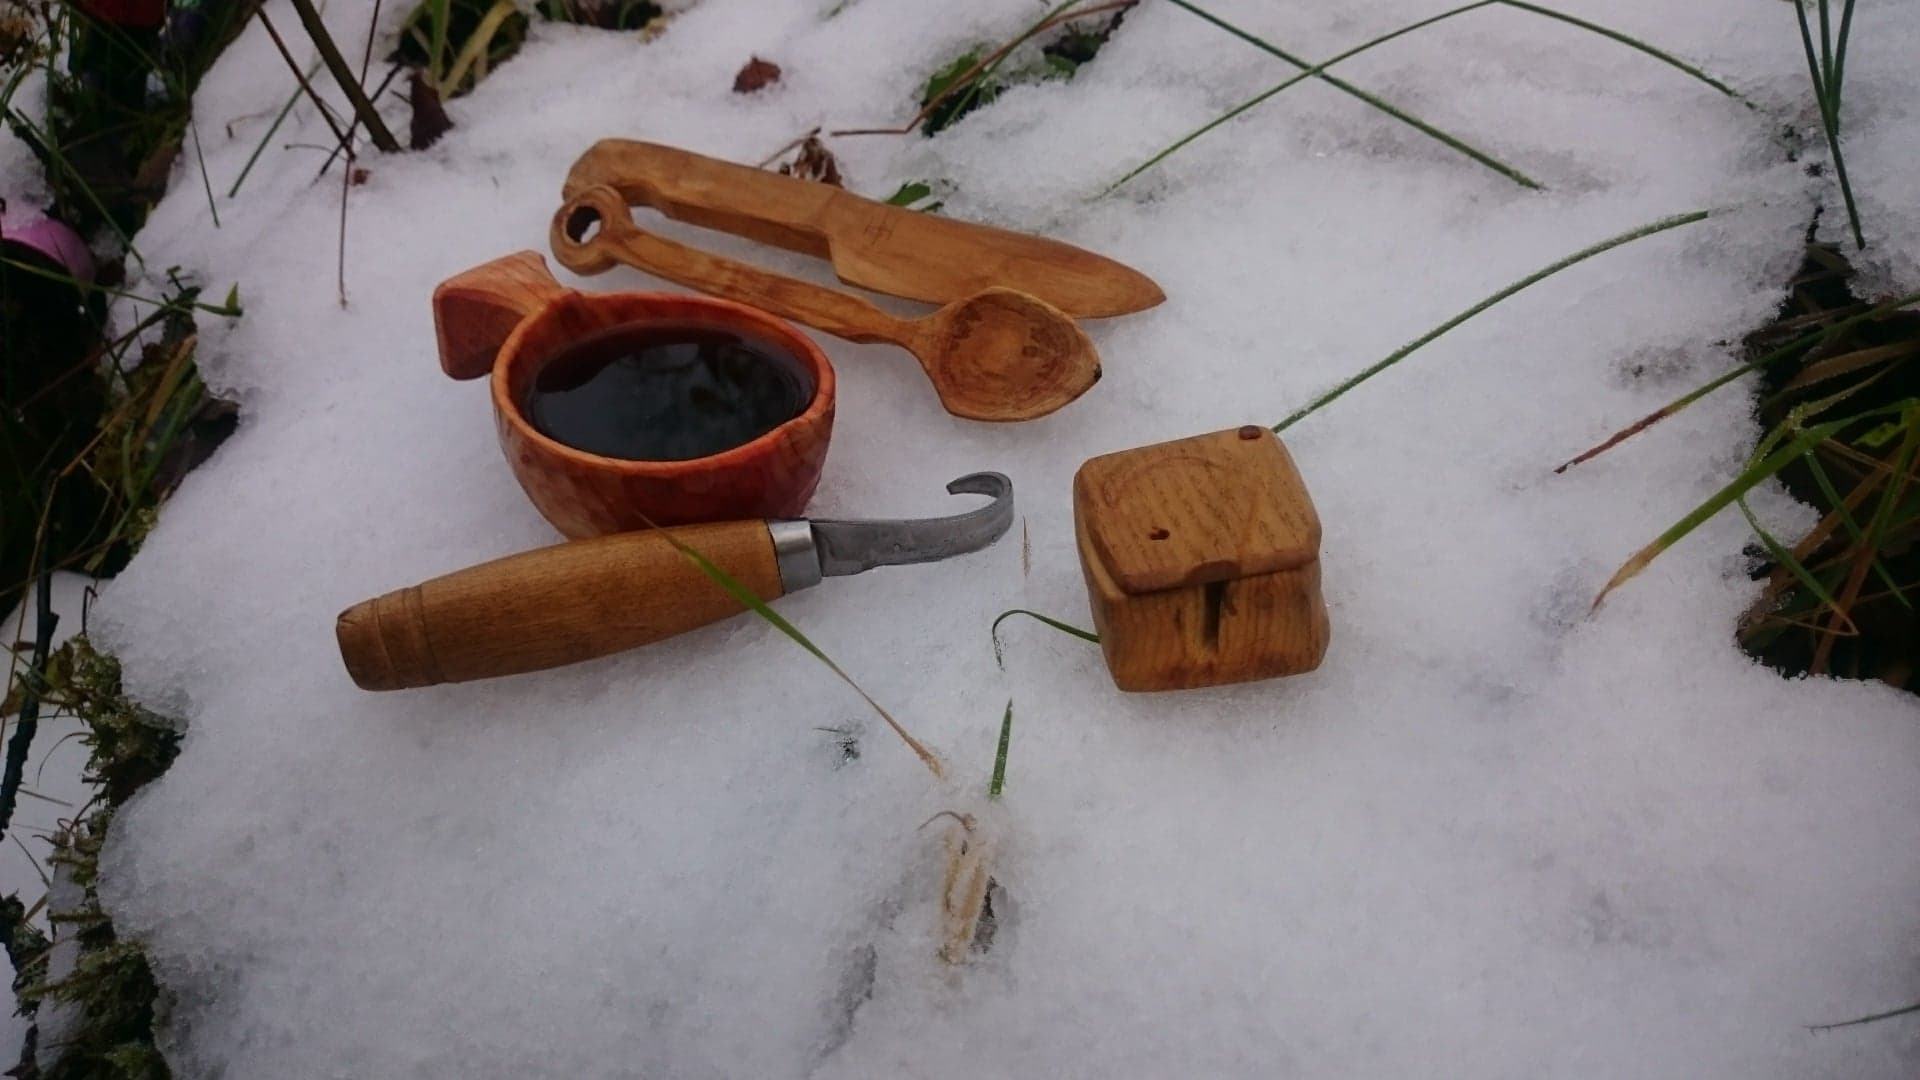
column 794, row 552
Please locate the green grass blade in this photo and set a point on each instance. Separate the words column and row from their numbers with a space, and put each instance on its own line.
column 1896, row 489
column 228, row 311
column 1661, row 413
column 1846, row 186
column 1836, row 75
column 1791, row 348
column 1430, row 131
column 1826, row 38
column 1749, row 478
column 1814, row 73
column 1781, row 555
column 481, row 40
column 1065, row 628
column 292, row 100
column 1888, row 1015
column 774, row 619
column 1829, row 103
column 440, row 15
column 206, row 182
column 1755, row 473
column 1633, row 43
column 1319, row 71
column 1854, row 532
column 999, row 780
column 1531, row 279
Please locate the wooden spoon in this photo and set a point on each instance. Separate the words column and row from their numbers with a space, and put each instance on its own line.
column 997, row 355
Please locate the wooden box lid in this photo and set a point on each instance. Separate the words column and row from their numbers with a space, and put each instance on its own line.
column 1209, row 508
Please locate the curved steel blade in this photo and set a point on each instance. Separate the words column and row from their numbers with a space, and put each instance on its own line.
column 848, row 547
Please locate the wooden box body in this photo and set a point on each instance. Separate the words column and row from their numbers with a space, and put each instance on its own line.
column 1202, row 559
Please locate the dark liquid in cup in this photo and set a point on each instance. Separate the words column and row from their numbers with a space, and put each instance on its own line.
column 666, row 392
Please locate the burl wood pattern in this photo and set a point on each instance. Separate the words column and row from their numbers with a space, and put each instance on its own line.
column 999, row 355
column 585, row 494
column 1201, row 557
column 871, row 244
column 557, row 605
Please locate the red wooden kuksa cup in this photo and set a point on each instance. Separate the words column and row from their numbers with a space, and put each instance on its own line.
column 510, row 317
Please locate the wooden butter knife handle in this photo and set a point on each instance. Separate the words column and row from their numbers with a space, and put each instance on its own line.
column 619, row 240
column 553, row 606
column 759, row 205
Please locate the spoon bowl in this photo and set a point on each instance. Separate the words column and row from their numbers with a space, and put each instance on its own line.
column 999, row 355
column 1002, row 349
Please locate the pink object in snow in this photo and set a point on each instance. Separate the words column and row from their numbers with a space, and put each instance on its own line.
column 51, row 240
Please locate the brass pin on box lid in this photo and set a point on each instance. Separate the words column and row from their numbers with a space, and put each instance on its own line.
column 1202, row 560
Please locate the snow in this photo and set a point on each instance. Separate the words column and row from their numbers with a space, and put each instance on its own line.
column 1492, row 836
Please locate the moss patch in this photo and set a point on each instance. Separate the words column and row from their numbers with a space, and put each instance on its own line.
column 109, row 987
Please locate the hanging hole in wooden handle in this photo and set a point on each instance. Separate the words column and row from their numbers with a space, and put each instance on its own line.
column 583, row 228
column 583, row 224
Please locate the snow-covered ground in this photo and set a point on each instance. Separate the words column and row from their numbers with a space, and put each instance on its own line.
column 1492, row 836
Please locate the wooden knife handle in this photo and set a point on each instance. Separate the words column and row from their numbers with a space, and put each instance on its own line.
column 619, row 240
column 553, row 606
column 765, row 206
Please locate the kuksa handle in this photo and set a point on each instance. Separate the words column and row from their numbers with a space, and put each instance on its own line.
column 556, row 605
column 475, row 311
column 784, row 211
column 619, row 240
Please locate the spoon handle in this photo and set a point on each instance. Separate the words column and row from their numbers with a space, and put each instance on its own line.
column 619, row 240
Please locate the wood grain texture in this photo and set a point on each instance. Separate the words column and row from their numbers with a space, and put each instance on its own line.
column 999, row 355
column 1226, row 505
column 1201, row 559
column 585, row 494
column 557, row 605
column 871, row 244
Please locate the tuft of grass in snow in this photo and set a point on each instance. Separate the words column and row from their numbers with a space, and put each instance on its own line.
column 1840, row 393
column 108, row 985
column 101, row 429
column 975, row 77
column 106, row 143
column 454, row 43
column 95, row 435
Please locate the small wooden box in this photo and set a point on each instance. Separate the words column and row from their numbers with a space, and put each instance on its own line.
column 1202, row 559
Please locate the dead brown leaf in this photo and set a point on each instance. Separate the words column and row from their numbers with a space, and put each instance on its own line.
column 814, row 162
column 757, row 75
